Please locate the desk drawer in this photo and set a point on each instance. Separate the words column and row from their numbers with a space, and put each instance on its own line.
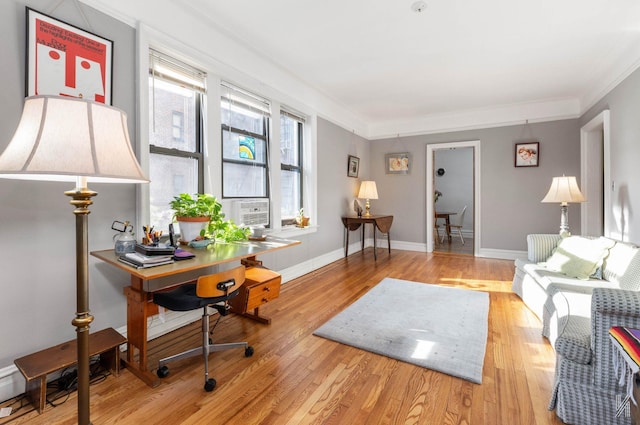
column 262, row 293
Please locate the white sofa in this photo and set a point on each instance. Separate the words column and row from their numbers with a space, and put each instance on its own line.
column 576, row 315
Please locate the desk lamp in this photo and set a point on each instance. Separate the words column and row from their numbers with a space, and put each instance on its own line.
column 368, row 191
column 564, row 190
column 68, row 139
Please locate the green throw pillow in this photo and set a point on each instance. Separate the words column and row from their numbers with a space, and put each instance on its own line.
column 579, row 257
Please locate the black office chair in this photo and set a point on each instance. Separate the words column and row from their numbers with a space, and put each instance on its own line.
column 213, row 291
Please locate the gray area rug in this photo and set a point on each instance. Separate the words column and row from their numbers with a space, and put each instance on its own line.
column 436, row 327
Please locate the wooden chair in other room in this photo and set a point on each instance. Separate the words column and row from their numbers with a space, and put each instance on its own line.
column 458, row 221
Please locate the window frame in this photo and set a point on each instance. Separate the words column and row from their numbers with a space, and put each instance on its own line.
column 224, row 127
column 199, row 112
column 254, row 103
column 293, row 168
column 150, row 39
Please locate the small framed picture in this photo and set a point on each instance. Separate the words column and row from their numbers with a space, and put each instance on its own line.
column 527, row 154
column 64, row 60
column 397, row 163
column 353, row 166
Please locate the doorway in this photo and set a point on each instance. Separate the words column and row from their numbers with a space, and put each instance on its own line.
column 471, row 150
column 595, row 176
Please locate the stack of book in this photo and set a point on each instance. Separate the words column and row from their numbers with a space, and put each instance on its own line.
column 141, row 261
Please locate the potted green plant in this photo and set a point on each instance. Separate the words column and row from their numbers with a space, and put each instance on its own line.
column 193, row 213
column 200, row 216
column 301, row 219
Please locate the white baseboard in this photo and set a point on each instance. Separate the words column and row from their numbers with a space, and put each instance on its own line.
column 502, row 254
column 11, row 382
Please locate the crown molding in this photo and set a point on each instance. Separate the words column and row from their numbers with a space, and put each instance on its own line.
column 499, row 116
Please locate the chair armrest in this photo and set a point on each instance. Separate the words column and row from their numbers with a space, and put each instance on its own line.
column 541, row 246
column 615, row 302
column 610, row 307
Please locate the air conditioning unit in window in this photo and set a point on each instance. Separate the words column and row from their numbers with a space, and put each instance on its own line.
column 250, row 212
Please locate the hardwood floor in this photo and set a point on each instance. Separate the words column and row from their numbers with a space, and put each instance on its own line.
column 455, row 246
column 297, row 378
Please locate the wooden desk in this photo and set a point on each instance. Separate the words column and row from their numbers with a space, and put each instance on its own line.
column 382, row 222
column 146, row 281
column 447, row 221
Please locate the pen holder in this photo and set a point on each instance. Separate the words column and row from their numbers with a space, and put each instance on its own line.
column 149, row 242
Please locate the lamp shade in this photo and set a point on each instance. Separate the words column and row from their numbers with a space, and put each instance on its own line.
column 62, row 138
column 368, row 190
column 564, row 190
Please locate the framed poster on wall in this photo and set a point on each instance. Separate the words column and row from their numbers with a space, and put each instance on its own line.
column 397, row 163
column 64, row 60
column 353, row 166
column 527, row 154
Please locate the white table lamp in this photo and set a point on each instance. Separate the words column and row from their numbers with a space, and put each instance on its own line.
column 564, row 190
column 368, row 191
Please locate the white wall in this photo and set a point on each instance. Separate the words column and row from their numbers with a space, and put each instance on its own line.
column 623, row 102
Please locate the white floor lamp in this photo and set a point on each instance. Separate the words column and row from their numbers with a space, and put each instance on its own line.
column 68, row 139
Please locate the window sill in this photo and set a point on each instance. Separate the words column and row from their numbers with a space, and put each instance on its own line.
column 288, row 232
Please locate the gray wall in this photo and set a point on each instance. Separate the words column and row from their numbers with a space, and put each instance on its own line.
column 510, row 197
column 623, row 102
column 36, row 219
column 336, row 192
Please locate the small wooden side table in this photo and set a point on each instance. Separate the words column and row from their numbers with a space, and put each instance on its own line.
column 381, row 222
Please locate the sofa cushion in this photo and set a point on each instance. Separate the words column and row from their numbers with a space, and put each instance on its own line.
column 579, row 257
column 548, row 279
column 622, row 266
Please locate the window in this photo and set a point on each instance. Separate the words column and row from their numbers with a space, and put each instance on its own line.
column 245, row 144
column 178, row 126
column 291, row 142
column 176, row 92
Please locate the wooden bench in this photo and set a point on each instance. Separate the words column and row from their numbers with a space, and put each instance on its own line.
column 35, row 367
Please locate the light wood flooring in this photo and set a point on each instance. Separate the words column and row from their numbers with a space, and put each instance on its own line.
column 297, row 378
column 455, row 246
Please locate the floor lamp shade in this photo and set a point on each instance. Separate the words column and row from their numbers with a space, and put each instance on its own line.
column 67, row 139
column 60, row 139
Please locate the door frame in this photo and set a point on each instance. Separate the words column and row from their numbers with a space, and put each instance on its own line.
column 598, row 130
column 429, row 207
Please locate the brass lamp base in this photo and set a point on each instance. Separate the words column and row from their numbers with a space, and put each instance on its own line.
column 81, row 200
column 367, row 208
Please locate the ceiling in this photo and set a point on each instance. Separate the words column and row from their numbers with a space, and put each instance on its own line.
column 384, row 62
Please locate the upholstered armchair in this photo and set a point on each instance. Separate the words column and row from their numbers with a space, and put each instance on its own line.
column 587, row 388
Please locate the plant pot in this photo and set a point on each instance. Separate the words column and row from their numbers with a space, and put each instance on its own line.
column 190, row 227
column 302, row 221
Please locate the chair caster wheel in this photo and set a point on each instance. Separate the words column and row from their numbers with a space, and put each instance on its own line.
column 210, row 385
column 163, row 372
column 248, row 352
